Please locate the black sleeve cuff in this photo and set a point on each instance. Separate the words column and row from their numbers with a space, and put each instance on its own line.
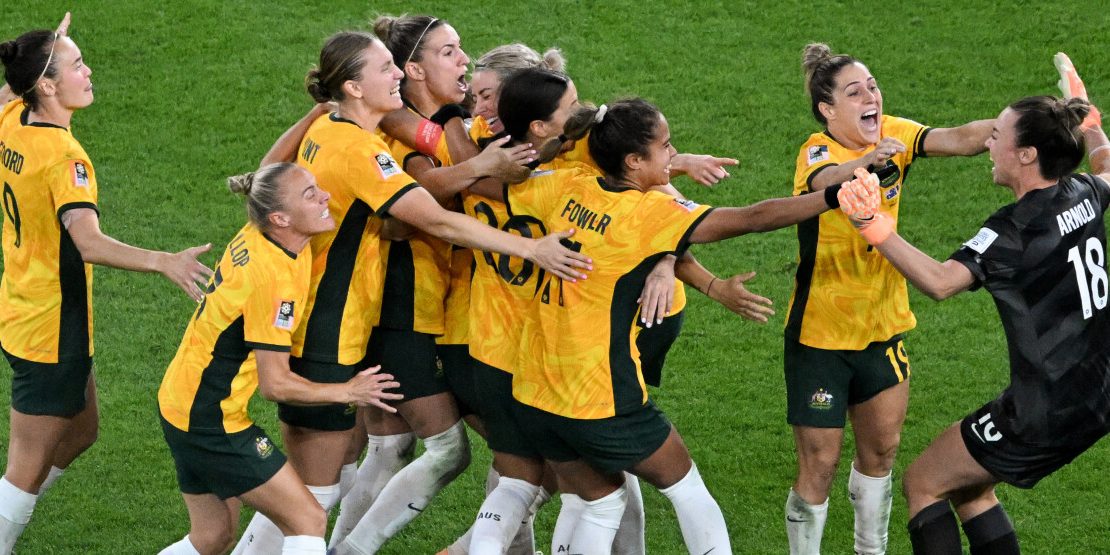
column 830, row 195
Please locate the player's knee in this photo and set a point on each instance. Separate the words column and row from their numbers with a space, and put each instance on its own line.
column 819, row 465
column 449, row 451
column 878, row 457
column 914, row 485
column 215, row 538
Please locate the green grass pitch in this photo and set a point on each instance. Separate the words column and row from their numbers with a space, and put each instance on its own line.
column 190, row 92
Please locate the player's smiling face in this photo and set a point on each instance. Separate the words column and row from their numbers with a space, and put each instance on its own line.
column 306, row 204
column 855, row 116
column 486, row 88
column 442, row 66
column 379, row 82
column 654, row 168
column 71, row 84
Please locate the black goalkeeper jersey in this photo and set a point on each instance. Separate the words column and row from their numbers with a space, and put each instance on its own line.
column 1043, row 259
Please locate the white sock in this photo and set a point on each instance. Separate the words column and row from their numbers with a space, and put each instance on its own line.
column 16, row 507
column 51, row 477
column 630, row 536
column 262, row 537
column 525, row 541
column 326, row 496
column 304, row 545
column 500, row 516
column 461, row 546
column 183, row 547
column 446, row 455
column 385, row 457
column 699, row 517
column 347, row 475
column 871, row 499
column 598, row 524
column 805, row 524
column 571, row 510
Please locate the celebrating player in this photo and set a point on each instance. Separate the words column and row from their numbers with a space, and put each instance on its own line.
column 581, row 398
column 342, row 151
column 238, row 340
column 51, row 237
column 1043, row 259
column 843, row 352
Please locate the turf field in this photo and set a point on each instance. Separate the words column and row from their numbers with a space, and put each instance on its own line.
column 190, row 92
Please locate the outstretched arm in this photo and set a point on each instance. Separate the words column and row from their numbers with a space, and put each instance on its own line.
column 418, row 208
column 938, row 280
column 1098, row 146
column 966, row 140
column 730, row 293
column 702, row 168
column 276, row 382
column 768, row 215
column 182, row 268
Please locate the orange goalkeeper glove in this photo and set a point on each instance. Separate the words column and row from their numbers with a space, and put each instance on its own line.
column 1071, row 86
column 860, row 197
column 859, row 200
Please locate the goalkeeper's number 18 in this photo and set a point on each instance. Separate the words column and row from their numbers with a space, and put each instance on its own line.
column 1095, row 286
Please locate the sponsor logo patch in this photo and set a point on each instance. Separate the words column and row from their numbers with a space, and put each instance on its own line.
column 821, row 400
column 817, row 153
column 982, row 240
column 284, row 319
column 386, row 165
column 263, row 446
column 80, row 175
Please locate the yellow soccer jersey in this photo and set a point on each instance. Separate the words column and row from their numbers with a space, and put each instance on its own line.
column 846, row 295
column 578, row 355
column 254, row 301
column 456, row 305
column 579, row 152
column 46, row 289
column 503, row 286
column 348, row 270
column 457, row 302
column 417, row 272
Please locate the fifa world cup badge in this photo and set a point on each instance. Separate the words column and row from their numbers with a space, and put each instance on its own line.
column 821, row 400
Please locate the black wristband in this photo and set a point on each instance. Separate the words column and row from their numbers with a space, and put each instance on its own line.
column 448, row 113
column 830, row 195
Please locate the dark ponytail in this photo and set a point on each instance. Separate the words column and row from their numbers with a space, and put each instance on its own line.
column 1051, row 125
column 25, row 60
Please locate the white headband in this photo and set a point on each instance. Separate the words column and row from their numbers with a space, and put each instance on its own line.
column 416, row 46
column 48, row 60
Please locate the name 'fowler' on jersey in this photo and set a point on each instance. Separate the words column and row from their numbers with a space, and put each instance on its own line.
column 585, row 218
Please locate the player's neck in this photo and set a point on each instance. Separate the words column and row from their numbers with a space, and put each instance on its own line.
column 354, row 110
column 52, row 113
column 1031, row 181
column 421, row 100
column 288, row 238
